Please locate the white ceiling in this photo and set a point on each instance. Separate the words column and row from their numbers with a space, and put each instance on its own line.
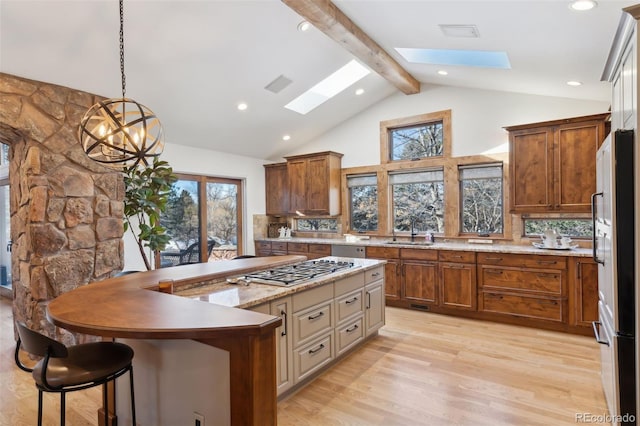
column 192, row 62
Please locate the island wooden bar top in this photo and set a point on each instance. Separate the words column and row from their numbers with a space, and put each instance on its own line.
column 128, row 307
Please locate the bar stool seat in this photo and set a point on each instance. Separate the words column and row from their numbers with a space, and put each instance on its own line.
column 66, row 369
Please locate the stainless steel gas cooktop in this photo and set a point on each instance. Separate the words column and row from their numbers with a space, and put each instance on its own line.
column 298, row 273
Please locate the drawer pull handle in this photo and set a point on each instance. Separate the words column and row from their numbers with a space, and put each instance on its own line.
column 375, row 274
column 350, row 301
column 458, row 267
column 351, row 329
column 318, row 349
column 494, row 271
column 493, row 258
column 546, row 262
column 284, row 323
column 457, row 256
column 316, row 316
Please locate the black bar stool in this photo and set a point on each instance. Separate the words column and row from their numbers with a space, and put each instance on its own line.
column 66, row 369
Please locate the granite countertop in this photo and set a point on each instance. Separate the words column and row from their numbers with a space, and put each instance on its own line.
column 246, row 296
column 460, row 246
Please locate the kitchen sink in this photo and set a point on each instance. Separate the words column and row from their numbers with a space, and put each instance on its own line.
column 409, row 243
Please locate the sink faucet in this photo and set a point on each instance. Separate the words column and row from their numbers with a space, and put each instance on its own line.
column 413, row 228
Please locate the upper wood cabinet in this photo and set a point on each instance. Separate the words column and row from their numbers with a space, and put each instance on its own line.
column 552, row 164
column 276, row 189
column 314, row 183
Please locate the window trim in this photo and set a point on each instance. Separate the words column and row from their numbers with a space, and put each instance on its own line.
column 416, row 120
column 202, row 181
column 460, row 167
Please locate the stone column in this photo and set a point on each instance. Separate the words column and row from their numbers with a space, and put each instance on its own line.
column 66, row 209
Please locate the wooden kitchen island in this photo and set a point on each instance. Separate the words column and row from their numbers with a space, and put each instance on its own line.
column 127, row 307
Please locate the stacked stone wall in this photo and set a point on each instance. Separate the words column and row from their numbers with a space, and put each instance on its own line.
column 66, row 209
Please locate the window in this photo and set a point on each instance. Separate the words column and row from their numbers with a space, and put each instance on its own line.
column 363, row 202
column 418, row 200
column 421, row 138
column 416, row 142
column 204, row 219
column 572, row 227
column 316, row 225
column 481, row 199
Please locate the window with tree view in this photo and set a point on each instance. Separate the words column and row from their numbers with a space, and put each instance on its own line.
column 418, row 200
column 363, row 198
column 415, row 142
column 481, row 199
column 188, row 225
column 570, row 227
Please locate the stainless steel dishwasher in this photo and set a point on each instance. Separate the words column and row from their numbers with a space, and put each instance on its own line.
column 357, row 252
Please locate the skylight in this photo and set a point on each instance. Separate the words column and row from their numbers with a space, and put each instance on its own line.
column 470, row 58
column 328, row 88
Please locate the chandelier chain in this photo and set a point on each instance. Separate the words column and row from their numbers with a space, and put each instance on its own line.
column 122, row 48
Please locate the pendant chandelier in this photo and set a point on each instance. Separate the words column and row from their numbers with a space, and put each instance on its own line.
column 120, row 132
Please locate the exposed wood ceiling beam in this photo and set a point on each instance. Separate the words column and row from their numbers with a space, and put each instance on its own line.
column 326, row 17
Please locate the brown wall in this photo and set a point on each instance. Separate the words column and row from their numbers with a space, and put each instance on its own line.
column 66, row 210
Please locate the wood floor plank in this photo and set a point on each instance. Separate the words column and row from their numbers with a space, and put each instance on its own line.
column 422, row 369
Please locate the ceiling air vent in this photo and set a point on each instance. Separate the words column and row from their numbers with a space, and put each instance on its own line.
column 277, row 85
column 460, row 31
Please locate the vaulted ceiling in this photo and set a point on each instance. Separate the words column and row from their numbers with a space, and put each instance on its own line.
column 192, row 62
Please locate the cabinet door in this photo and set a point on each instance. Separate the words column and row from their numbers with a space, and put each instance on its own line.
column 458, row 286
column 284, row 347
column 297, row 175
column 317, row 185
column 277, row 189
column 374, row 307
column 392, row 279
column 420, row 281
column 575, row 164
column 531, row 170
column 586, row 292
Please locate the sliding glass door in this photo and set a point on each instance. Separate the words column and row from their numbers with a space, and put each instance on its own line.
column 203, row 219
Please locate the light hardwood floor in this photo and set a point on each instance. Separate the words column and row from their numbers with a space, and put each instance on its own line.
column 422, row 369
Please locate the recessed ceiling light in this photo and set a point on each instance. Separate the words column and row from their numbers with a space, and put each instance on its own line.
column 581, row 5
column 242, row 106
column 574, row 83
column 360, row 91
column 329, row 87
column 304, row 26
column 443, row 72
column 286, row 137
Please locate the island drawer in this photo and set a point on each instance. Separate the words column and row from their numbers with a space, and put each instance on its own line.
column 522, row 260
column 374, row 274
column 308, row 298
column 457, row 256
column 312, row 357
column 522, row 305
column 346, row 285
column 350, row 305
column 348, row 335
column 542, row 281
column 311, row 322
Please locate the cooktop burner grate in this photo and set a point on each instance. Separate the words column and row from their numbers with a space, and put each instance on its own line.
column 298, row 273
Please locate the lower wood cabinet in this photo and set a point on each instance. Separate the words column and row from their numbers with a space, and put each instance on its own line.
column 420, row 281
column 528, row 286
column 278, row 248
column 583, row 275
column 392, row 288
column 458, row 286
